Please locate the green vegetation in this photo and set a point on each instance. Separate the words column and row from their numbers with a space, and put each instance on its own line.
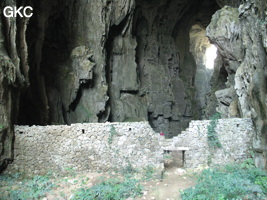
column 112, row 132
column 129, row 170
column 124, row 185
column 167, row 156
column 13, row 187
column 213, row 140
column 149, row 173
column 236, row 181
column 71, row 171
column 111, row 189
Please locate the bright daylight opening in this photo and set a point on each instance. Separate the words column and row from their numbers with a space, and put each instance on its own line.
column 210, row 56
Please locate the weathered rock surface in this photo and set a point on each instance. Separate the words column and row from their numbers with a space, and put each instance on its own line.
column 13, row 77
column 199, row 45
column 132, row 60
column 240, row 35
column 114, row 61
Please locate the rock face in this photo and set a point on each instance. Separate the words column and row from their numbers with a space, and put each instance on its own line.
column 113, row 61
column 13, row 78
column 132, row 60
column 240, row 35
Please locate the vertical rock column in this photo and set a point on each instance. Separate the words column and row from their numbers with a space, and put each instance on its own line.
column 251, row 77
column 13, row 77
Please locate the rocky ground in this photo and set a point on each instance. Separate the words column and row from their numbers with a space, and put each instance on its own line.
column 169, row 187
column 174, row 180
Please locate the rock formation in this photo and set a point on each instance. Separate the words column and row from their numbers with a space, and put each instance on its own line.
column 241, row 35
column 132, row 60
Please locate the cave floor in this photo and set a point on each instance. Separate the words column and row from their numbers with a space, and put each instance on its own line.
column 174, row 180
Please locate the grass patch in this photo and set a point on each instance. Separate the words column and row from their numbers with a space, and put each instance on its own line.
column 148, row 173
column 14, row 187
column 229, row 182
column 111, row 189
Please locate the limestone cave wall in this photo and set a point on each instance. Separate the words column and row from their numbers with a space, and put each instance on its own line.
column 240, row 35
column 132, row 60
column 112, row 61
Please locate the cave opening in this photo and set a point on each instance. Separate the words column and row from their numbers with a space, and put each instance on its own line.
column 149, row 67
column 210, row 56
column 204, row 54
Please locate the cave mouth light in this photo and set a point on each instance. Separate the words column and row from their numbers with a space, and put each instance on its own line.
column 210, row 56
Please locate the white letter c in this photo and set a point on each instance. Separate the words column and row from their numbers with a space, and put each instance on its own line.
column 24, row 11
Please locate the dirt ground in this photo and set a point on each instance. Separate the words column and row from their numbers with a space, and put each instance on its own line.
column 168, row 187
column 175, row 179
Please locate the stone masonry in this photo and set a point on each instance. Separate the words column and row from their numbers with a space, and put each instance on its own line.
column 85, row 147
column 235, row 136
column 114, row 146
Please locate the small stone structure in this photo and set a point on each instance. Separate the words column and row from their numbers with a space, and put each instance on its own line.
column 86, row 147
column 235, row 136
column 114, row 146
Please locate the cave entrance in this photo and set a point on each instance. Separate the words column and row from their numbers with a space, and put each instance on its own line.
column 146, row 71
column 210, row 56
column 204, row 54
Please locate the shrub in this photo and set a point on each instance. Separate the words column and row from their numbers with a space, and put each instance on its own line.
column 148, row 173
column 34, row 188
column 228, row 182
column 112, row 189
column 129, row 170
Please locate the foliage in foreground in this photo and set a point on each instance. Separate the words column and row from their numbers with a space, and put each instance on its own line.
column 111, row 189
column 33, row 188
column 229, row 182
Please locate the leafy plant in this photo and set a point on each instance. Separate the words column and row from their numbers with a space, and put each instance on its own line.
column 229, row 182
column 112, row 189
column 149, row 173
column 34, row 188
column 71, row 171
column 248, row 164
column 129, row 170
column 112, row 132
column 213, row 139
column 262, row 182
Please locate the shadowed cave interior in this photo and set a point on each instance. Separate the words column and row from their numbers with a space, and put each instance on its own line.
column 152, row 67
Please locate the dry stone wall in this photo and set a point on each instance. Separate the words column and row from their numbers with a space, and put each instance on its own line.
column 115, row 146
column 235, row 136
column 85, row 147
